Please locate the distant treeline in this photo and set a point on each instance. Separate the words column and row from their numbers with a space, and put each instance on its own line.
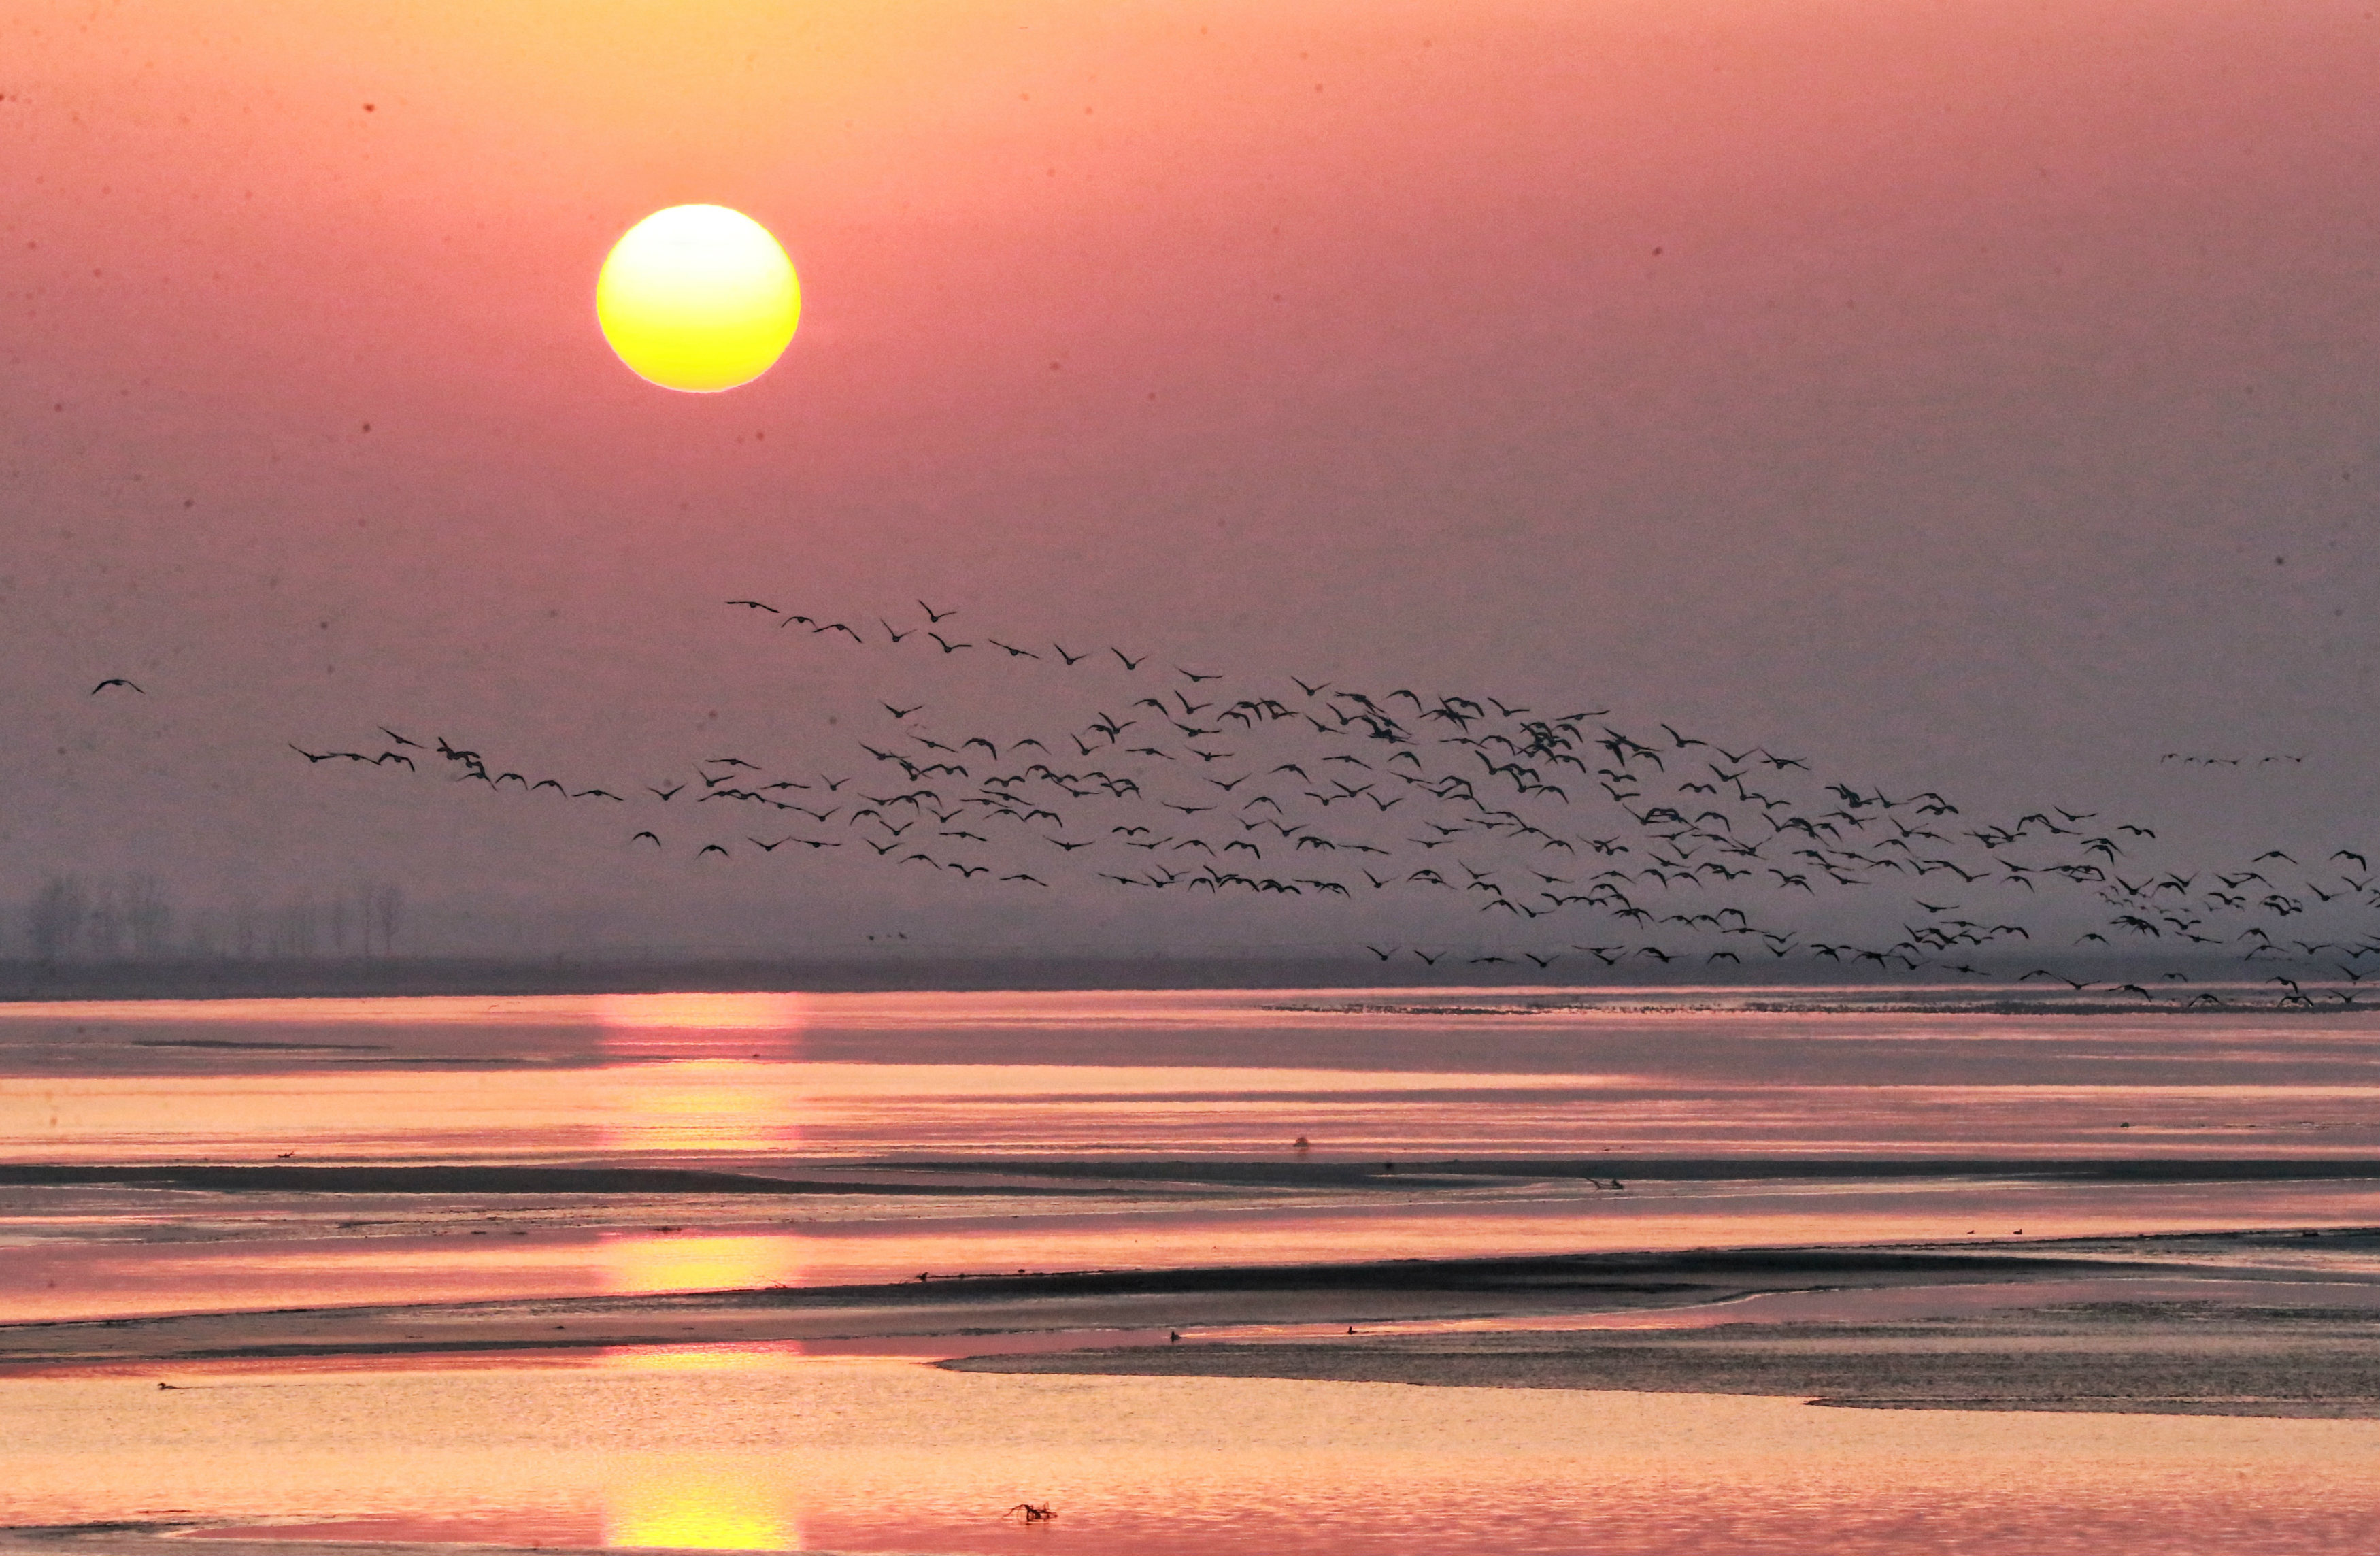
column 132, row 917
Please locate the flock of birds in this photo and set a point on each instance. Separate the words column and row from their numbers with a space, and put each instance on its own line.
column 1537, row 837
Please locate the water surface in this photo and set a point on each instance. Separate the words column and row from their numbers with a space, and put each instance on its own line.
column 986, row 1133
column 821, row 1086
column 744, row 1450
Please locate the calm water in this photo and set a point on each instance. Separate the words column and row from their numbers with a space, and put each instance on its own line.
column 763, row 1448
column 745, row 1451
column 62, row 1265
column 727, row 1079
column 823, row 1083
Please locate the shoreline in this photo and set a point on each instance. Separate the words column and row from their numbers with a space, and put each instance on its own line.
column 2181, row 1357
column 1074, row 1176
column 31, row 982
column 2312, row 1348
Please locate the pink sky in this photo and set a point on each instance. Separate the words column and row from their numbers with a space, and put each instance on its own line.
column 1933, row 385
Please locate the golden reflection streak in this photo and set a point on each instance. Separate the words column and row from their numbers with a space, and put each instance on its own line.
column 668, row 1263
column 697, row 1503
column 709, row 1098
column 785, row 1013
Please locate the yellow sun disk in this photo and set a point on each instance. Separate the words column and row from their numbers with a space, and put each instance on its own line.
column 698, row 297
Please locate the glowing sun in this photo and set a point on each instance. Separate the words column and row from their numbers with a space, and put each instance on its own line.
column 699, row 298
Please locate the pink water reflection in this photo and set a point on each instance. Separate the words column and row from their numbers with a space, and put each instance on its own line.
column 792, row 1085
column 758, row 1078
column 71, row 1278
column 727, row 1112
column 883, row 1457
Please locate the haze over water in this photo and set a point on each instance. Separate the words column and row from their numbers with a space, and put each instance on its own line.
column 983, row 1133
column 838, row 1086
column 1728, row 488
column 710, row 1078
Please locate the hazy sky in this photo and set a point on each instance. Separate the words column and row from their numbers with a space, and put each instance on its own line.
column 1976, row 397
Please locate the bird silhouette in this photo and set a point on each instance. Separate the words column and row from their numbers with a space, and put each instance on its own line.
column 1767, row 856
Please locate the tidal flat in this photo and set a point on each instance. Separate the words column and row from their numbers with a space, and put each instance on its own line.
column 870, row 1272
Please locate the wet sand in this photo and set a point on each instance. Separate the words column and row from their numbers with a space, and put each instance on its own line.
column 640, row 1272
column 479, row 1179
column 135, row 1240
column 2287, row 1325
column 2157, row 1358
column 314, row 1223
column 1042, row 1175
column 2295, row 1332
column 1211, row 1298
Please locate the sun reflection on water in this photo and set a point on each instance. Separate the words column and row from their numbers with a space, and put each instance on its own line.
column 724, row 1088
column 668, row 1263
column 707, row 1107
column 702, row 1026
column 698, row 1503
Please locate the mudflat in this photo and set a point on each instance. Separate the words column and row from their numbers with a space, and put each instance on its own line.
column 2249, row 1323
column 974, row 1308
column 2198, row 1359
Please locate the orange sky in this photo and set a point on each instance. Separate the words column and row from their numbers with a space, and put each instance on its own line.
column 1935, row 383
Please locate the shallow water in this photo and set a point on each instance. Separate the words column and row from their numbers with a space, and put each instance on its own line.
column 731, row 1076
column 739, row 1451
column 784, row 1446
column 820, row 1085
column 101, row 1274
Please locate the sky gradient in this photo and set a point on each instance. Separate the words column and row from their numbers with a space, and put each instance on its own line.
column 1979, row 397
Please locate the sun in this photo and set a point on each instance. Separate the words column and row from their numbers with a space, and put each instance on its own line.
column 698, row 297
